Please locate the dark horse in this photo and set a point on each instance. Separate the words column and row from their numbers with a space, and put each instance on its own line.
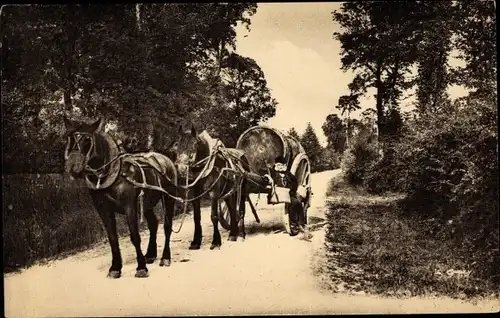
column 208, row 171
column 93, row 155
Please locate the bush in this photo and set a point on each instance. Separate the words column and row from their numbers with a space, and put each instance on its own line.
column 372, row 247
column 447, row 166
column 329, row 160
column 360, row 157
column 46, row 215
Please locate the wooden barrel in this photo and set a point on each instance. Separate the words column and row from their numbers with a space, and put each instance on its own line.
column 262, row 145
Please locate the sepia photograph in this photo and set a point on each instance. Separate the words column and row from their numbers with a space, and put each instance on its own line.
column 250, row 158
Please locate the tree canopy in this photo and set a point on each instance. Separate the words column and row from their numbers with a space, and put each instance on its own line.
column 292, row 132
column 310, row 142
column 142, row 67
column 335, row 132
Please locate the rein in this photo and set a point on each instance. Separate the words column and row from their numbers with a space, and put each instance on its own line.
column 183, row 212
column 216, row 151
column 181, row 200
column 100, row 174
column 99, row 171
column 205, row 168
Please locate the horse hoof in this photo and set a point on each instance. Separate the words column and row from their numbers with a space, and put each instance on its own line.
column 232, row 238
column 242, row 238
column 150, row 260
column 215, row 246
column 165, row 262
column 141, row 273
column 194, row 246
column 114, row 274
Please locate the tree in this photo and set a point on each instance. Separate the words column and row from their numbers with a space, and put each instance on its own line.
column 476, row 41
column 329, row 159
column 378, row 44
column 245, row 100
column 220, row 36
column 293, row 133
column 335, row 132
column 139, row 66
column 312, row 146
column 246, row 89
column 434, row 48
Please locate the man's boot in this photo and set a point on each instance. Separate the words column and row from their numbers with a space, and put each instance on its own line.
column 294, row 229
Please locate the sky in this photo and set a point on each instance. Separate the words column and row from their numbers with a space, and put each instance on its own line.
column 294, row 46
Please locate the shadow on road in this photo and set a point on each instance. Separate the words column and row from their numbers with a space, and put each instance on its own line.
column 316, row 223
column 264, row 227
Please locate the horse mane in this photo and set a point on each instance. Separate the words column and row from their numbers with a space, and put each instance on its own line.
column 106, row 146
column 106, row 149
column 207, row 142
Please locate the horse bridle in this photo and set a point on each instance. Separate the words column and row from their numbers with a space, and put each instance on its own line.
column 77, row 137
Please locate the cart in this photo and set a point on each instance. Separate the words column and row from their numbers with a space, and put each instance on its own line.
column 262, row 145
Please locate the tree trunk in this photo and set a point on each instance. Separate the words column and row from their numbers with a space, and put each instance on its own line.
column 68, row 85
column 150, row 131
column 379, row 85
column 68, row 105
column 220, row 47
column 348, row 130
column 138, row 15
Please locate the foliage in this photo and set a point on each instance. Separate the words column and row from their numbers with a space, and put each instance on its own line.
column 444, row 156
column 335, row 132
column 378, row 44
column 328, row 160
column 361, row 155
column 447, row 165
column 293, row 133
column 35, row 227
column 362, row 254
column 433, row 51
column 141, row 66
column 310, row 142
column 475, row 29
column 371, row 247
column 244, row 100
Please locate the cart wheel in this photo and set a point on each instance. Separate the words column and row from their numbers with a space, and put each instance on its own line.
column 301, row 169
column 224, row 215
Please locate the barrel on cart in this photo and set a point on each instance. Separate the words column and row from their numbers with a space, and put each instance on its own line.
column 262, row 145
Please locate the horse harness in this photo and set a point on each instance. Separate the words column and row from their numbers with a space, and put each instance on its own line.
column 147, row 160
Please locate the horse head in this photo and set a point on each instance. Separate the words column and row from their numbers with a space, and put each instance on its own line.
column 86, row 147
column 185, row 149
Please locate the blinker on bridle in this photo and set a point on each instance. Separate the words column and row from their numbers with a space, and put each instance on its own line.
column 77, row 137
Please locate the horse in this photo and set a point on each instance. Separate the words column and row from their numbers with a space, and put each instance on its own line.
column 208, row 170
column 93, row 155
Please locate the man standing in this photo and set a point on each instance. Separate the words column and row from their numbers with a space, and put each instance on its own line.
column 284, row 178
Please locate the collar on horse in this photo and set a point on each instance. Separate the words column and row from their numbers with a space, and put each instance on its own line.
column 105, row 178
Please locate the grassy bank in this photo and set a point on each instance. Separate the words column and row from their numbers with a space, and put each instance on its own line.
column 49, row 215
column 373, row 247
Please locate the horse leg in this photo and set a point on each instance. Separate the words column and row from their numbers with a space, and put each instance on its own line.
column 216, row 240
column 135, row 238
column 167, row 226
column 196, row 243
column 241, row 224
column 153, row 229
column 232, row 206
column 108, row 218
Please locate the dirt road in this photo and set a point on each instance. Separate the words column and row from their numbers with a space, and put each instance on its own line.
column 269, row 273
